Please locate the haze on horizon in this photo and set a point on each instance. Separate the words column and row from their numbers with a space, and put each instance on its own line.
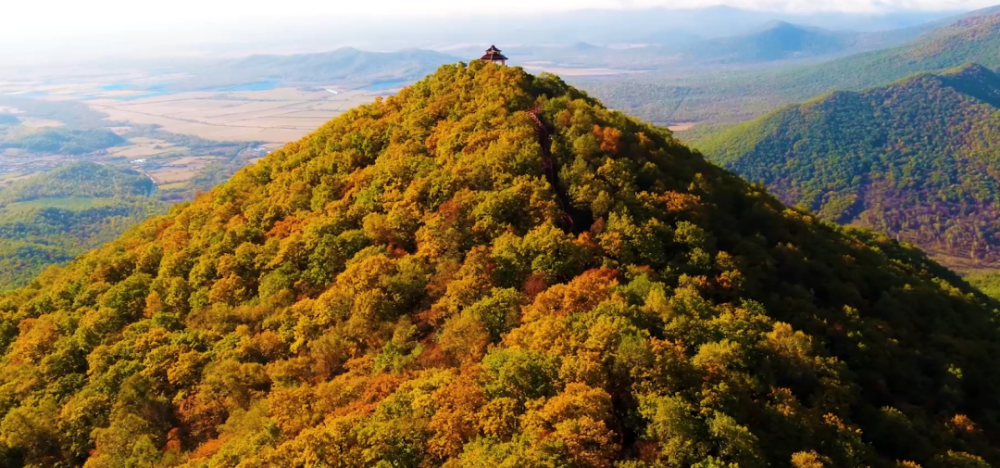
column 59, row 30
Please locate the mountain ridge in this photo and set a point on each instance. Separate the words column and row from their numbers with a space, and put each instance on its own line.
column 837, row 155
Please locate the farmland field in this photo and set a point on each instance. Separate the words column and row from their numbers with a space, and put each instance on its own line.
column 275, row 116
column 257, row 112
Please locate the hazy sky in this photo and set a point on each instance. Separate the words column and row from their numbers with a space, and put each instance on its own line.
column 37, row 29
column 80, row 16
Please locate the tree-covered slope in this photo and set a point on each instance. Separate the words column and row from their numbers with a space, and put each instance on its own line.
column 52, row 217
column 61, row 140
column 919, row 159
column 411, row 286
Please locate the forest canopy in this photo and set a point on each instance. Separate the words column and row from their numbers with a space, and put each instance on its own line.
column 62, row 140
column 50, row 218
column 411, row 286
column 916, row 159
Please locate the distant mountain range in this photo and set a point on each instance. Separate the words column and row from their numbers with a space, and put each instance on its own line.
column 974, row 39
column 919, row 159
column 345, row 65
column 777, row 41
column 740, row 94
column 781, row 40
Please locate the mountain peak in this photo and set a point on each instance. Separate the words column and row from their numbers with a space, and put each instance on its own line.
column 778, row 24
column 492, row 269
column 776, row 40
column 584, row 46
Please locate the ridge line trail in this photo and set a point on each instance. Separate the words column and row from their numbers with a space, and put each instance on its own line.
column 573, row 218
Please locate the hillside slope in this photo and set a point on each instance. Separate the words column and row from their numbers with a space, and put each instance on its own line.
column 440, row 279
column 918, row 159
column 50, row 218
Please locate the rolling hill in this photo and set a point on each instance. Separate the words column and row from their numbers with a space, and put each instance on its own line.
column 492, row 269
column 61, row 140
column 50, row 218
column 917, row 159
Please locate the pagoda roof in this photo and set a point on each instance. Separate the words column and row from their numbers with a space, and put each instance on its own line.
column 493, row 55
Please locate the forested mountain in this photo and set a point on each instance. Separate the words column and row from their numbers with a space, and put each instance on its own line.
column 781, row 40
column 411, row 285
column 777, row 41
column 748, row 93
column 52, row 217
column 974, row 39
column 919, row 159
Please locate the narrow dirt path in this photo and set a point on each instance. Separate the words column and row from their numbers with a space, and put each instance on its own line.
column 575, row 221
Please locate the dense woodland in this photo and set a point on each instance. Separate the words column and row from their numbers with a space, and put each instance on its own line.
column 409, row 287
column 917, row 159
column 61, row 140
column 51, row 218
column 988, row 283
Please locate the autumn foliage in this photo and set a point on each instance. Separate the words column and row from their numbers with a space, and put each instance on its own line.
column 399, row 289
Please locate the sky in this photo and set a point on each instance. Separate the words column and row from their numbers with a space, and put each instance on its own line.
column 77, row 16
column 47, row 28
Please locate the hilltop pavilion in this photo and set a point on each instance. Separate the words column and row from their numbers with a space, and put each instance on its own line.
column 493, row 55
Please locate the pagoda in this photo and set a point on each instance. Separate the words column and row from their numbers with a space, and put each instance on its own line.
column 493, row 55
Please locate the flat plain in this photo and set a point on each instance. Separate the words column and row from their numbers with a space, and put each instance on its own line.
column 275, row 116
